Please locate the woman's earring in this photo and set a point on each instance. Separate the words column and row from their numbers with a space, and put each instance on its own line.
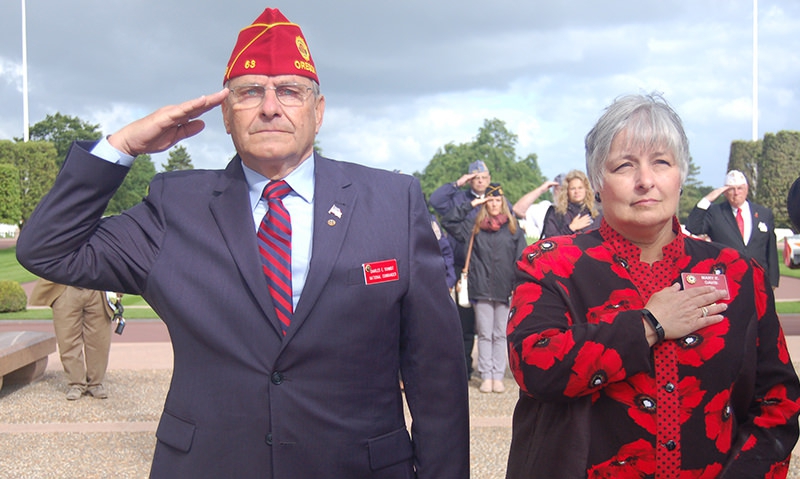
column 597, row 197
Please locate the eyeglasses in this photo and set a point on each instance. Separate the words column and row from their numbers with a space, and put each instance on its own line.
column 252, row 96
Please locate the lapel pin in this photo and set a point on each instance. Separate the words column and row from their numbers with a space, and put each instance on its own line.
column 331, row 222
column 335, row 211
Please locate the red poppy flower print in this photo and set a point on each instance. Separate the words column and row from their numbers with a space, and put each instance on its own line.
column 703, row 344
column 776, row 408
column 783, row 349
column 544, row 349
column 601, row 253
column 605, row 255
column 711, row 471
column 552, row 255
column 633, row 461
column 595, row 367
column 760, row 291
column 719, row 424
column 638, row 392
column 750, row 443
column 522, row 303
column 619, row 300
column 691, row 395
column 683, row 262
column 779, row 470
column 730, row 263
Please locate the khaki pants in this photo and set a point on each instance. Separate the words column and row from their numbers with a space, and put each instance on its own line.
column 83, row 334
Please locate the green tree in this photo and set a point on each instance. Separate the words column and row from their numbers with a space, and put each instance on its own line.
column 62, row 130
column 496, row 146
column 778, row 167
column 134, row 188
column 693, row 191
column 745, row 157
column 36, row 163
column 10, row 201
column 178, row 159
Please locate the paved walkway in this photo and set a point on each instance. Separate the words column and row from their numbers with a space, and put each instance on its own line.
column 42, row 435
column 145, row 343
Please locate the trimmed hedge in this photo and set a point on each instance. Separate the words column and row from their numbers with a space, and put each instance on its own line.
column 12, row 297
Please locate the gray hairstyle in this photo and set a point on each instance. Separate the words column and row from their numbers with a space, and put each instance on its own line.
column 649, row 121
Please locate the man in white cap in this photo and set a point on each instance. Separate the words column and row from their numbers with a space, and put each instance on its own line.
column 741, row 224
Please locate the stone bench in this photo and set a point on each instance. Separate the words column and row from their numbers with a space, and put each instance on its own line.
column 23, row 356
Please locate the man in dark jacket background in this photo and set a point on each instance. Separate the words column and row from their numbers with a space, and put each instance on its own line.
column 738, row 223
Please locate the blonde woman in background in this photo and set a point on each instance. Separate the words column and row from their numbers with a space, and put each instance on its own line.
column 574, row 210
column 497, row 246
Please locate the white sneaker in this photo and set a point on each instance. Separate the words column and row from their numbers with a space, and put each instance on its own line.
column 498, row 386
column 486, row 386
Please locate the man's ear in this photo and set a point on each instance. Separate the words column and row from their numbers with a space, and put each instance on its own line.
column 319, row 111
column 226, row 117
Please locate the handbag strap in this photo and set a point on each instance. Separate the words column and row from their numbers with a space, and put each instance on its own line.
column 469, row 253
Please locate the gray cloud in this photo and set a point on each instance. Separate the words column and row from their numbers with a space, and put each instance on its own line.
column 404, row 78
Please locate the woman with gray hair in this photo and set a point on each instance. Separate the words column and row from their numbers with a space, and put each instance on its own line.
column 641, row 352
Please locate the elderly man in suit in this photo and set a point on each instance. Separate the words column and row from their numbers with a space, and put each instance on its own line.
column 289, row 328
column 738, row 223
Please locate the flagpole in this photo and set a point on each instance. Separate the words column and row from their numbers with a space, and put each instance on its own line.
column 755, row 70
column 25, row 122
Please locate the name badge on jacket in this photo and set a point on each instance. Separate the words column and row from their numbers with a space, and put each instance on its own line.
column 380, row 271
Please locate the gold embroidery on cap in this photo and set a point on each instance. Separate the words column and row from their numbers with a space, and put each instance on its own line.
column 305, row 66
column 249, row 64
column 302, row 48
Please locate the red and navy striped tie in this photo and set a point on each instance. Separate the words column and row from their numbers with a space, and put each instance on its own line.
column 275, row 246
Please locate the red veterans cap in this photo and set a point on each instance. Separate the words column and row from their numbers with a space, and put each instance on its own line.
column 272, row 45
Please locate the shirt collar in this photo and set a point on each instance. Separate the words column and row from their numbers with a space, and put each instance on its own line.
column 745, row 209
column 630, row 252
column 301, row 180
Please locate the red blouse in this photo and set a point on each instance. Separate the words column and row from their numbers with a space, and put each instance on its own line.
column 722, row 401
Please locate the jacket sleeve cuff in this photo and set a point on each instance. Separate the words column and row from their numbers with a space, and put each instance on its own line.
column 105, row 151
column 703, row 204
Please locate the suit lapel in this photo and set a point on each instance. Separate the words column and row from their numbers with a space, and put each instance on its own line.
column 334, row 206
column 230, row 207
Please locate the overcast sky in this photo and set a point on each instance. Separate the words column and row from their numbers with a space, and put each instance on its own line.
column 403, row 79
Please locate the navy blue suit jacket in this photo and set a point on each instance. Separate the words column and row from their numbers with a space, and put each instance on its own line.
column 719, row 224
column 244, row 401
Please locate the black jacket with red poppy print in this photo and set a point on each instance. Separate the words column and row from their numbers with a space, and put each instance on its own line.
column 596, row 401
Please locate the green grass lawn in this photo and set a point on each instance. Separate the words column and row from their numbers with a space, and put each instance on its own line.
column 785, row 271
column 10, row 269
column 47, row 313
column 137, row 308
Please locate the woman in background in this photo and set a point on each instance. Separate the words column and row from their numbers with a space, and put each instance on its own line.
column 497, row 245
column 574, row 210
